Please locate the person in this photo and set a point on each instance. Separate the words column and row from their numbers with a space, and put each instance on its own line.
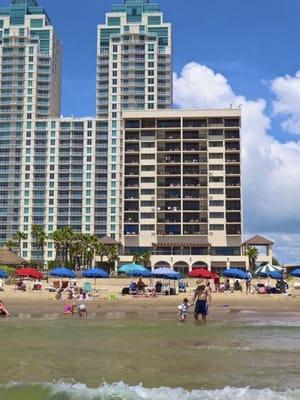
column 21, row 286
column 248, row 281
column 237, row 286
column 227, row 284
column 3, row 310
column 183, row 309
column 82, row 311
column 69, row 308
column 158, row 287
column 140, row 285
column 201, row 300
column 217, row 283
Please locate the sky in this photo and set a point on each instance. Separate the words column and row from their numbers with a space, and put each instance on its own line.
column 225, row 52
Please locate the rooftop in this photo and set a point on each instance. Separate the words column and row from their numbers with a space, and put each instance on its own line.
column 258, row 240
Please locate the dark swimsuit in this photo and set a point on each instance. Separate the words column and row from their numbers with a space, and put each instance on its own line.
column 201, row 307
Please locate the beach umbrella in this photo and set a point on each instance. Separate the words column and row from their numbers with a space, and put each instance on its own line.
column 29, row 273
column 63, row 273
column 131, row 269
column 202, row 273
column 143, row 274
column 166, row 273
column 3, row 274
column 295, row 272
column 235, row 273
column 95, row 273
column 269, row 271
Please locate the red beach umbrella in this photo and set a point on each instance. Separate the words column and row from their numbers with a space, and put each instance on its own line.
column 202, row 273
column 29, row 273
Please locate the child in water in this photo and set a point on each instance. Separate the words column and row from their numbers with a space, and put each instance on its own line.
column 183, row 310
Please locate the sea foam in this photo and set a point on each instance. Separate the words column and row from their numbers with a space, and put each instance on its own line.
column 121, row 391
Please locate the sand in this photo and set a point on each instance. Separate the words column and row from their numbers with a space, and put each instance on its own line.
column 224, row 305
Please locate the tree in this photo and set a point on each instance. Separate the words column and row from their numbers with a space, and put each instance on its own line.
column 252, row 254
column 102, row 251
column 37, row 231
column 113, row 256
column 10, row 244
column 142, row 258
column 20, row 236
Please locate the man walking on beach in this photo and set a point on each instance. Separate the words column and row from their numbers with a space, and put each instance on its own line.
column 248, row 282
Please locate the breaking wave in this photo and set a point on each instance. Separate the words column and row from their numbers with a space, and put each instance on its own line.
column 121, row 391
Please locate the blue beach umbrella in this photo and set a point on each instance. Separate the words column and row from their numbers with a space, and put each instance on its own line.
column 63, row 273
column 131, row 269
column 95, row 273
column 3, row 274
column 235, row 273
column 295, row 272
column 166, row 273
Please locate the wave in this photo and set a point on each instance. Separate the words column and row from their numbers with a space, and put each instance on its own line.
column 121, row 391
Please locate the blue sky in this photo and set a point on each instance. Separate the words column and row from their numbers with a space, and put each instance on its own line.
column 243, row 40
column 243, row 52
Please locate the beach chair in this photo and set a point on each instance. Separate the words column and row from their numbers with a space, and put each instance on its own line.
column 87, row 287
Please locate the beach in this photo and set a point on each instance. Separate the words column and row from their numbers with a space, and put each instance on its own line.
column 36, row 303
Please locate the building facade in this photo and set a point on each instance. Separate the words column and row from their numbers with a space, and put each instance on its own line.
column 182, row 187
column 134, row 72
column 30, row 58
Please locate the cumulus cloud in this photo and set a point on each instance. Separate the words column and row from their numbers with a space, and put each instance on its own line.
column 270, row 168
column 287, row 91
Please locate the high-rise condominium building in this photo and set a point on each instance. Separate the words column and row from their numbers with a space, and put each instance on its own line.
column 134, row 72
column 182, row 187
column 29, row 89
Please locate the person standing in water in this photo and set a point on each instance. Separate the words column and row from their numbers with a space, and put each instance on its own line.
column 201, row 300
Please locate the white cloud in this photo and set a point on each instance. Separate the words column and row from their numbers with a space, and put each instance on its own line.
column 287, row 91
column 271, row 170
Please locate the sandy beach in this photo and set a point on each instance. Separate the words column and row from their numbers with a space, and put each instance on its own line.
column 224, row 305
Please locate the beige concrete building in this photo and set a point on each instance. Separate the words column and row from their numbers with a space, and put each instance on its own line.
column 181, row 195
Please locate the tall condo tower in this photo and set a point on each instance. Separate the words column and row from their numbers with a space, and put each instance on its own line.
column 30, row 75
column 134, row 72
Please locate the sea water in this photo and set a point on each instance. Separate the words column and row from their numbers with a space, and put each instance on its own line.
column 157, row 360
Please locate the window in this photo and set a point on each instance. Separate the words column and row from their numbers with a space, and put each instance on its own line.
column 216, row 156
column 148, row 191
column 216, row 167
column 148, row 156
column 216, row 191
column 216, row 179
column 216, row 215
column 215, row 143
column 147, row 227
column 216, row 203
column 148, row 168
column 147, row 215
column 147, row 203
column 148, row 144
column 147, row 179
column 216, row 227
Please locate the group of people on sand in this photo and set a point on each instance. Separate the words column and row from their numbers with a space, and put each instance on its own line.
column 70, row 308
column 201, row 302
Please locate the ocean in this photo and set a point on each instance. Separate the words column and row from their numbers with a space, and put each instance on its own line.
column 65, row 359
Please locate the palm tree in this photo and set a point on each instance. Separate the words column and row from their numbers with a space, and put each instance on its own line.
column 37, row 231
column 142, row 258
column 102, row 251
column 252, row 254
column 113, row 255
column 20, row 236
column 10, row 244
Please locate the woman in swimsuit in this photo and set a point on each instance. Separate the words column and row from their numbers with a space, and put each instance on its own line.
column 201, row 299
